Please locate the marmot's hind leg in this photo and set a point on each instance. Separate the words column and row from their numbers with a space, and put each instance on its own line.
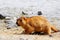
column 54, row 29
column 49, row 31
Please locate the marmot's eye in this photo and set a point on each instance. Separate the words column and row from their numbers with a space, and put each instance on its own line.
column 20, row 20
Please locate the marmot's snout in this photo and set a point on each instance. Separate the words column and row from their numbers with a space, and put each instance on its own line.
column 17, row 24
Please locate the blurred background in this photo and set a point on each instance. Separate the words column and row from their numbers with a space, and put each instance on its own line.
column 49, row 8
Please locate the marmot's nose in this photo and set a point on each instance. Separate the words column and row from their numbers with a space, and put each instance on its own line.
column 17, row 24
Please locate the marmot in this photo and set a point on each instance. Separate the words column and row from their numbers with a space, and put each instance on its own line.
column 36, row 24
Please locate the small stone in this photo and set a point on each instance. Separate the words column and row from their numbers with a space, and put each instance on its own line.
column 39, row 13
column 24, row 13
column 50, row 36
column 8, row 28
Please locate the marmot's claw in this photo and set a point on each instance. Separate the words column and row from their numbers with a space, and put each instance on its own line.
column 50, row 36
column 8, row 28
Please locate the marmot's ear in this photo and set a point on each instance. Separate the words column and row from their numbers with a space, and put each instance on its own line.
column 23, row 21
column 24, row 18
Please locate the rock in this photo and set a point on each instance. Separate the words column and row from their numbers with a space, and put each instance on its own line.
column 24, row 13
column 8, row 18
column 39, row 13
column 2, row 17
column 10, row 22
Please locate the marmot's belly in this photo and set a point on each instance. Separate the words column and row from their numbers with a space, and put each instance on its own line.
column 40, row 29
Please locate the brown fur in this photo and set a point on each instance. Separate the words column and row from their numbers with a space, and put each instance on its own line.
column 36, row 24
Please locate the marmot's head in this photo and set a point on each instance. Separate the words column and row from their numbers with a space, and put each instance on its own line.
column 21, row 21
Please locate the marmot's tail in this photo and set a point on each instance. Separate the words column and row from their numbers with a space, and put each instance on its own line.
column 54, row 29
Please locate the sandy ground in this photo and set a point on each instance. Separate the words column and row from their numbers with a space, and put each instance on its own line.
column 15, row 34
